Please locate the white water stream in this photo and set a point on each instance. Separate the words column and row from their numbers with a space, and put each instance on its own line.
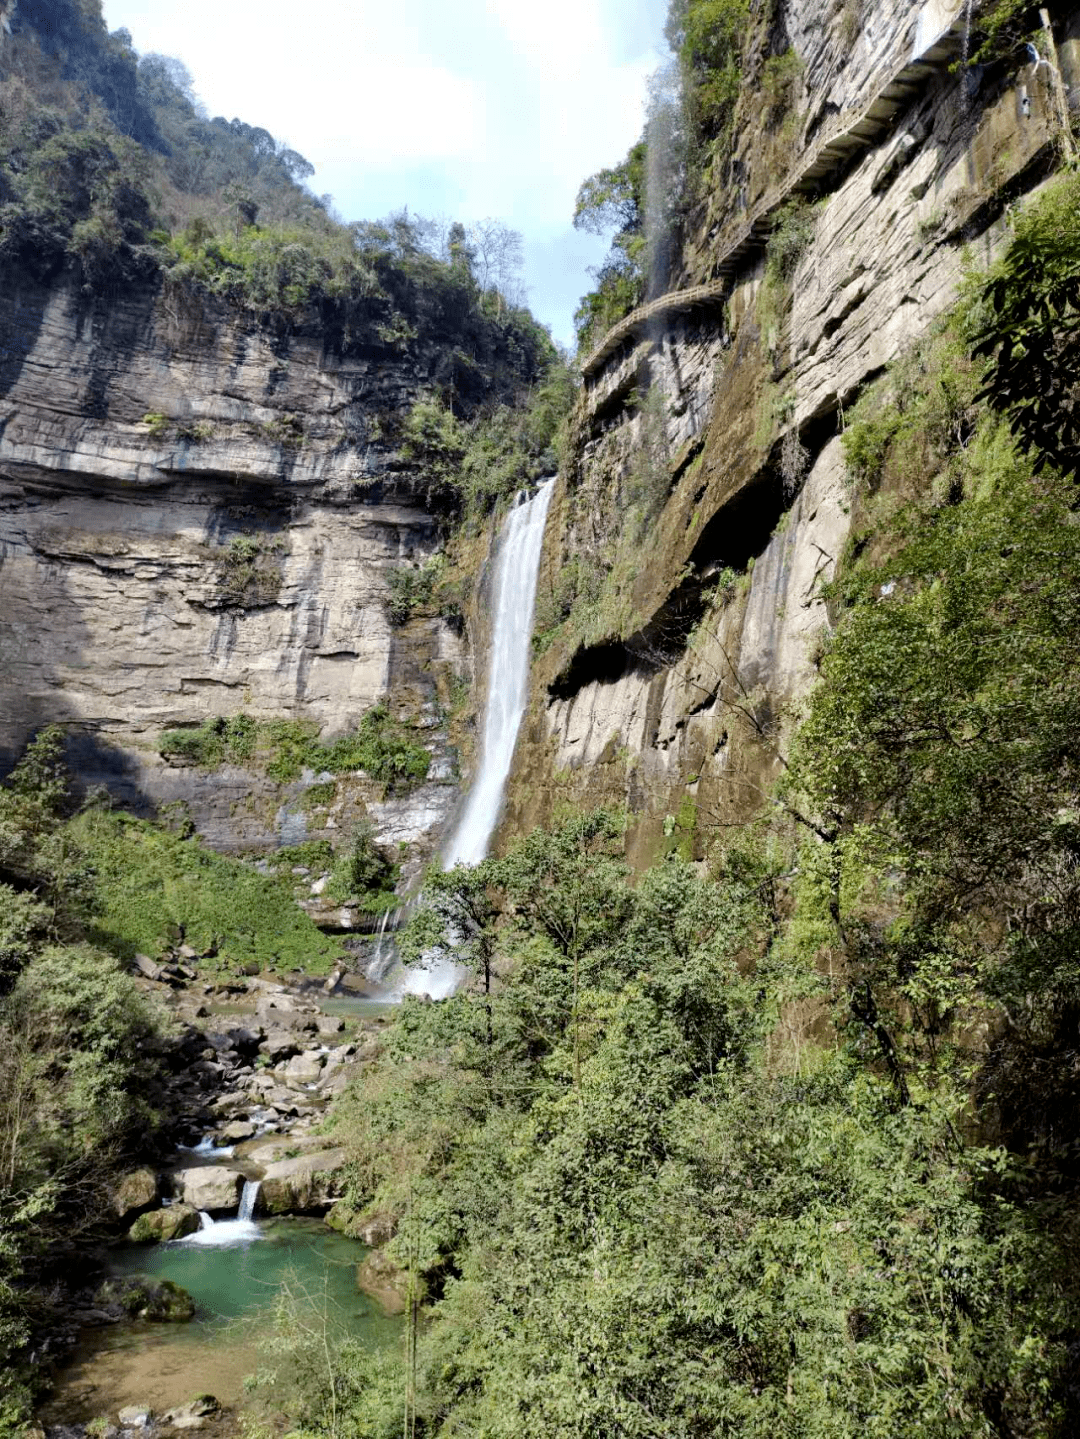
column 229, row 1231
column 518, row 564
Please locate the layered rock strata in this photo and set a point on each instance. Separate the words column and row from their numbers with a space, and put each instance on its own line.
column 199, row 517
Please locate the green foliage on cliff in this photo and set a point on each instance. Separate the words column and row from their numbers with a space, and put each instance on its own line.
column 469, row 466
column 708, row 37
column 111, row 171
column 381, row 746
column 614, row 200
column 1028, row 324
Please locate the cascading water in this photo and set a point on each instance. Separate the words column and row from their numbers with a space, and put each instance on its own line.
column 518, row 564
column 229, row 1231
column 247, row 1199
column 508, row 676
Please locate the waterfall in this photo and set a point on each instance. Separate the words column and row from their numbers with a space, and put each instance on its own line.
column 384, row 954
column 240, row 1230
column 508, row 675
column 517, row 566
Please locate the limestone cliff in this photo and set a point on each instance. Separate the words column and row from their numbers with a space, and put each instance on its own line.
column 672, row 685
column 198, row 518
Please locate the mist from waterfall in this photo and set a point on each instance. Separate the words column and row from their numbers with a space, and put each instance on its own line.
column 517, row 566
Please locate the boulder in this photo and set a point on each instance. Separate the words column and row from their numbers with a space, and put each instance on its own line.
column 280, row 1044
column 337, row 1082
column 210, row 1186
column 329, row 1024
column 137, row 1190
column 161, row 1225
column 306, row 1068
column 371, row 1226
column 236, row 1132
column 192, row 1415
column 145, row 966
column 135, row 1416
column 384, row 1281
column 158, row 1301
column 308, row 1182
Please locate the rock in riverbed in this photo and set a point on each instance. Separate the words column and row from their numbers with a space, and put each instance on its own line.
column 310, row 1181
column 137, row 1190
column 158, row 1301
column 161, row 1225
column 212, row 1187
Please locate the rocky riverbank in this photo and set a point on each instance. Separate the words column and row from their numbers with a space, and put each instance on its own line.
column 249, row 1075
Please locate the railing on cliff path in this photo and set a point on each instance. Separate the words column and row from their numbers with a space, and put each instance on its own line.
column 827, row 157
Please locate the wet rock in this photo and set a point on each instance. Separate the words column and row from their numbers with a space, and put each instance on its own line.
column 308, row 1182
column 159, row 1301
column 234, row 1099
column 305, row 1068
column 210, row 1187
column 137, row 1190
column 193, row 1414
column 161, row 1225
column 236, row 1132
column 135, row 1416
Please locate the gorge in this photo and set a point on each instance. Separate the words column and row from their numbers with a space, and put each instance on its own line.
column 698, row 717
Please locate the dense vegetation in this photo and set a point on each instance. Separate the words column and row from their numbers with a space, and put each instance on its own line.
column 384, row 748
column 83, row 889
column 77, row 1057
column 790, row 1147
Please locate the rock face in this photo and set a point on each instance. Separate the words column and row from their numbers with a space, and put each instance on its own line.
column 308, row 1182
column 380, row 1277
column 211, row 1187
column 196, row 518
column 679, row 701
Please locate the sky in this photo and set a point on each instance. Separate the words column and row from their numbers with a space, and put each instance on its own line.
column 456, row 108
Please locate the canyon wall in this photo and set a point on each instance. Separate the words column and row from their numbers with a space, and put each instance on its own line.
column 198, row 517
column 200, row 512
column 674, row 688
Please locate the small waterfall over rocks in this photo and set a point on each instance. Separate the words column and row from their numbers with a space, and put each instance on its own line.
column 229, row 1231
column 518, row 564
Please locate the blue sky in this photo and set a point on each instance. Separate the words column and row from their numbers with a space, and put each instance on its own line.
column 459, row 108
